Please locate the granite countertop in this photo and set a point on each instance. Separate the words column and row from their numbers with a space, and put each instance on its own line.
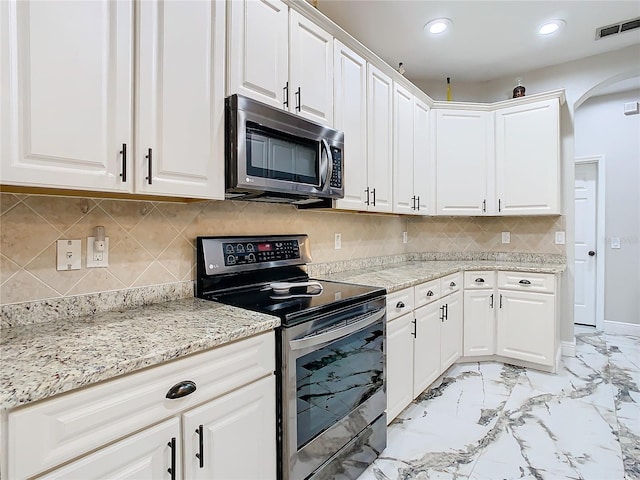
column 41, row 360
column 397, row 276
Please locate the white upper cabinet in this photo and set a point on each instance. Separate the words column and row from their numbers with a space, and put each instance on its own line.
column 528, row 158
column 380, row 141
column 258, row 45
column 70, row 121
column 67, row 98
column 280, row 58
column 310, row 70
column 411, row 180
column 180, row 116
column 464, row 161
column 350, row 116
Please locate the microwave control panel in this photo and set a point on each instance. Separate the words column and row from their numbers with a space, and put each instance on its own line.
column 336, row 175
column 244, row 253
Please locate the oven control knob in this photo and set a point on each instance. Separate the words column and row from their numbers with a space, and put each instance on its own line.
column 251, row 258
column 231, row 259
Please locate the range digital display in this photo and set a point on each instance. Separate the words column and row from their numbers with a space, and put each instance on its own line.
column 265, row 247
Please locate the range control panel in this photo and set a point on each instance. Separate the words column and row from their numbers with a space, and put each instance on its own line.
column 243, row 253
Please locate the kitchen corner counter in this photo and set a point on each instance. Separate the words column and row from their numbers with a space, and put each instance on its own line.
column 398, row 276
column 45, row 359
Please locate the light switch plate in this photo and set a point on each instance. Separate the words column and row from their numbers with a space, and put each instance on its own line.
column 338, row 241
column 615, row 242
column 560, row 238
column 68, row 255
column 506, row 237
column 405, row 237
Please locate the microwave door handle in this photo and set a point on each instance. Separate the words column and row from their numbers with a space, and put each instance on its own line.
column 317, row 341
column 326, row 166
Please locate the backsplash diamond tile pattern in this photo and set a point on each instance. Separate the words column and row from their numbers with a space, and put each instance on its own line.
column 153, row 243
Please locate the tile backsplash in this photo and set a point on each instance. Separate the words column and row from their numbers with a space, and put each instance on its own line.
column 152, row 243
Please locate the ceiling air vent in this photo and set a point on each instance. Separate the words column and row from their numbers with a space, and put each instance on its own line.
column 617, row 28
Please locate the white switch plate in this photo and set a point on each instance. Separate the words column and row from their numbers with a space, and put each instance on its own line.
column 506, row 237
column 338, row 241
column 560, row 238
column 615, row 242
column 405, row 237
column 97, row 259
column 68, row 255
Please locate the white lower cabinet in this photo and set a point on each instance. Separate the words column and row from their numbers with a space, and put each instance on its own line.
column 423, row 343
column 147, row 455
column 221, row 435
column 127, row 428
column 479, row 314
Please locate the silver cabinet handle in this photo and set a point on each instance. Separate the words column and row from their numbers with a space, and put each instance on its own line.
column 479, row 280
column 524, row 282
column 429, row 293
column 400, row 305
column 452, row 284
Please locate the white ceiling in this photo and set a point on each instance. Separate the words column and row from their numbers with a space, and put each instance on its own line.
column 488, row 40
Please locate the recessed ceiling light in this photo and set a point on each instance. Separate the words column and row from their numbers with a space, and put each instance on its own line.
column 438, row 25
column 550, row 27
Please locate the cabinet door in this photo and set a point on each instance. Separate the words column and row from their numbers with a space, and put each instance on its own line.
column 528, row 159
column 180, row 117
column 259, row 50
column 144, row 456
column 464, row 160
column 380, row 140
column 451, row 332
column 350, row 116
column 238, row 435
column 66, row 78
column 399, row 365
column 479, row 323
column 424, row 181
column 310, row 70
column 426, row 353
column 526, row 326
column 403, row 130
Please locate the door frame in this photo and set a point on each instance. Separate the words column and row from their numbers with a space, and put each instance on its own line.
column 600, row 233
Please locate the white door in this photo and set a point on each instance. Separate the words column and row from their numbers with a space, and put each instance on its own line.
column 403, row 130
column 350, row 116
column 479, row 323
column 180, row 116
column 528, row 159
column 399, row 365
column 144, row 456
column 238, row 439
column 380, row 140
column 258, row 34
column 451, row 330
column 585, row 243
column 310, row 70
column 426, row 352
column 464, row 160
column 67, row 81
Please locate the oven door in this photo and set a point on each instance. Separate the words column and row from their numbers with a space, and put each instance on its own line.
column 333, row 384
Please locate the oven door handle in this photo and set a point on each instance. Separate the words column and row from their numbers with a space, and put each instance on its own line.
column 326, row 164
column 316, row 340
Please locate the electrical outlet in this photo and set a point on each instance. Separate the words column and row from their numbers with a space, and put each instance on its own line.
column 405, row 237
column 506, row 237
column 338, row 241
column 97, row 258
column 68, row 255
column 560, row 238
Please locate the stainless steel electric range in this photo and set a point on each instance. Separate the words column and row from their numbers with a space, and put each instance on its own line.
column 330, row 351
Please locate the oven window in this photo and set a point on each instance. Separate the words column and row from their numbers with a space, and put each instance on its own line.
column 336, row 379
column 276, row 155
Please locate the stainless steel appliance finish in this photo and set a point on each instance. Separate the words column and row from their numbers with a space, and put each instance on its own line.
column 330, row 356
column 273, row 155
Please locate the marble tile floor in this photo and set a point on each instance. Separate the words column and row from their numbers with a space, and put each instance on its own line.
column 491, row 421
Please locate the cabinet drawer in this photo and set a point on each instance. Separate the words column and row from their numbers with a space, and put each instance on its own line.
column 427, row 292
column 480, row 279
column 450, row 283
column 56, row 430
column 399, row 303
column 526, row 281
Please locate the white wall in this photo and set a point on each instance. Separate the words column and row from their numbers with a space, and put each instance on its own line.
column 603, row 129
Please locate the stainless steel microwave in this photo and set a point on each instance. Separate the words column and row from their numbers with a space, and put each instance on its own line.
column 275, row 156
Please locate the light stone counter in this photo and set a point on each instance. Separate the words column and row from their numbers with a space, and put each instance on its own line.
column 397, row 276
column 44, row 359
